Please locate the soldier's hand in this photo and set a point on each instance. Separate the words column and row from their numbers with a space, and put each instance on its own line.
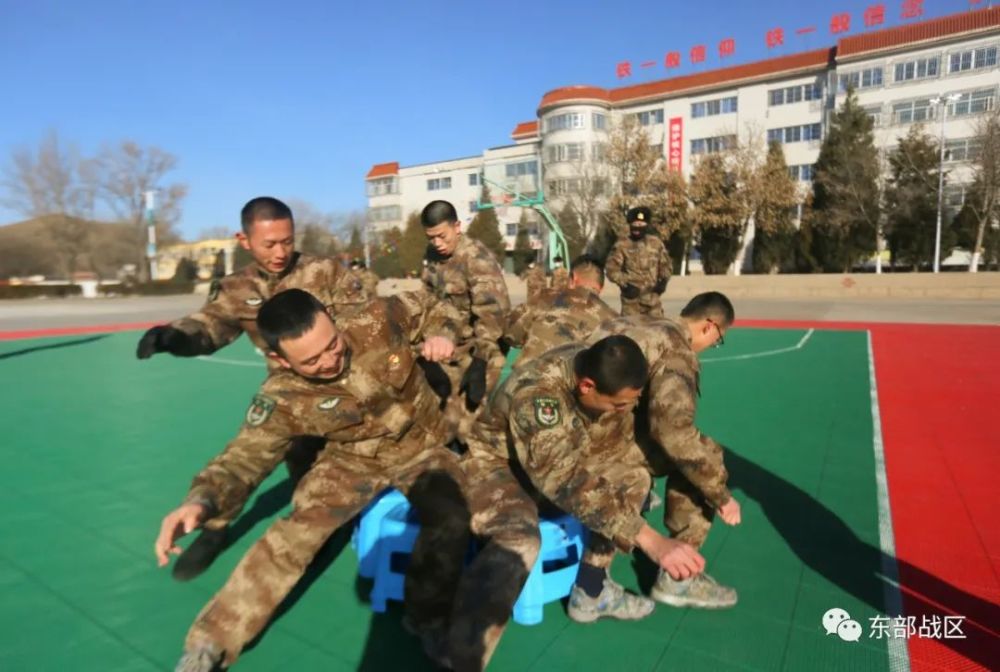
column 438, row 349
column 177, row 523
column 160, row 339
column 730, row 512
column 678, row 559
column 474, row 383
column 437, row 379
column 660, row 286
column 630, row 291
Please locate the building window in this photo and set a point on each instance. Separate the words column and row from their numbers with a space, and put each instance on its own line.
column 512, row 229
column 912, row 111
column 473, row 179
column 963, row 149
column 599, row 121
column 711, row 108
column 386, row 213
column 599, row 151
column 802, row 173
column 712, row 145
column 473, row 206
column 791, row 134
column 438, row 183
column 562, row 122
column 650, row 117
column 794, row 94
column 972, row 102
column 570, row 151
column 564, row 187
column 521, row 168
column 383, row 186
column 973, row 59
column 862, row 79
column 920, row 68
column 874, row 113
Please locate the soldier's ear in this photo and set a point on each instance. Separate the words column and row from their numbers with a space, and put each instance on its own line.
column 586, row 386
column 284, row 363
column 243, row 240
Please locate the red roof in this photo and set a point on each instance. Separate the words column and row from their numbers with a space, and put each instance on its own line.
column 383, row 169
column 526, row 129
column 955, row 24
column 819, row 58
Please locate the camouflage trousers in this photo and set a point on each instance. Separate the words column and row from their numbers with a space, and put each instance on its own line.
column 505, row 521
column 301, row 455
column 338, row 486
column 647, row 303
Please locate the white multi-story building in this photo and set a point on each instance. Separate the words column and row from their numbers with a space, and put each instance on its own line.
column 896, row 72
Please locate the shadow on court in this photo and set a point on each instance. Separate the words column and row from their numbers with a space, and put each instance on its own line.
column 51, row 346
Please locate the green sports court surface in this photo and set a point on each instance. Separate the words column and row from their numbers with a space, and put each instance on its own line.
column 99, row 446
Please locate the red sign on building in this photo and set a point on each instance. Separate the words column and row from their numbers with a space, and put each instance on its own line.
column 675, row 143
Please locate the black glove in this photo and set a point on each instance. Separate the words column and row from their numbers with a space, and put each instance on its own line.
column 437, row 379
column 660, row 286
column 164, row 339
column 630, row 291
column 474, row 383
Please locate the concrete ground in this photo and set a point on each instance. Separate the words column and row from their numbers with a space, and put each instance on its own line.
column 16, row 315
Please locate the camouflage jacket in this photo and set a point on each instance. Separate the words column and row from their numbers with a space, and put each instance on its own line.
column 368, row 280
column 672, row 400
column 642, row 263
column 560, row 278
column 471, row 281
column 380, row 402
column 233, row 301
column 555, row 318
column 534, row 281
column 534, row 418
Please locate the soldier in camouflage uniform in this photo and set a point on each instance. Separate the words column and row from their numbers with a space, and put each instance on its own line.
column 640, row 266
column 368, row 279
column 560, row 316
column 534, row 281
column 665, row 429
column 268, row 233
column 560, row 276
column 557, row 431
column 358, row 386
column 462, row 272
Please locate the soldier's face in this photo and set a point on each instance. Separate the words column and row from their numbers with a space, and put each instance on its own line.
column 271, row 242
column 444, row 237
column 597, row 403
column 706, row 333
column 320, row 352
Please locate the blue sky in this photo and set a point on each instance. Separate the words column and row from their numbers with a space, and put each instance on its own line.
column 299, row 99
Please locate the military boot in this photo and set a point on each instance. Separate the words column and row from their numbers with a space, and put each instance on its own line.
column 200, row 555
column 613, row 602
column 204, row 658
column 700, row 591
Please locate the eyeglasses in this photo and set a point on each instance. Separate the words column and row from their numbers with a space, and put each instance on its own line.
column 722, row 341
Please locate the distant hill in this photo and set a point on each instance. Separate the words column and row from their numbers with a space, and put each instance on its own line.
column 35, row 247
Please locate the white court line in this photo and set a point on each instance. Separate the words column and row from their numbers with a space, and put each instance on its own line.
column 766, row 353
column 899, row 654
column 231, row 362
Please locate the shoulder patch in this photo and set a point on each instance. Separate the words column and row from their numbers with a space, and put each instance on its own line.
column 547, row 411
column 214, row 289
column 260, row 410
column 328, row 404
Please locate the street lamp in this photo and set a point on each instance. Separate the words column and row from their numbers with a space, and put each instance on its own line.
column 941, row 102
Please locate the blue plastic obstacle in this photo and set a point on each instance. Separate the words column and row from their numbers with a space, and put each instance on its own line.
column 555, row 570
column 365, row 539
column 550, row 579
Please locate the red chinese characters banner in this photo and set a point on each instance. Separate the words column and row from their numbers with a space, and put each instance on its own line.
column 675, row 144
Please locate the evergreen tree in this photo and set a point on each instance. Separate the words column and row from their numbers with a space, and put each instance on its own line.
column 486, row 229
column 186, row 271
column 846, row 191
column 911, row 199
column 356, row 248
column 717, row 214
column 523, row 254
column 569, row 222
column 774, row 227
column 413, row 246
column 385, row 255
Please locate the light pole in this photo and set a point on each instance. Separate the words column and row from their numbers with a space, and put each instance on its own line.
column 150, row 203
column 941, row 102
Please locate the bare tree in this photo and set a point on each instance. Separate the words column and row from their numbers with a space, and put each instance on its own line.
column 587, row 199
column 984, row 197
column 46, row 183
column 315, row 231
column 122, row 174
column 215, row 233
column 632, row 167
